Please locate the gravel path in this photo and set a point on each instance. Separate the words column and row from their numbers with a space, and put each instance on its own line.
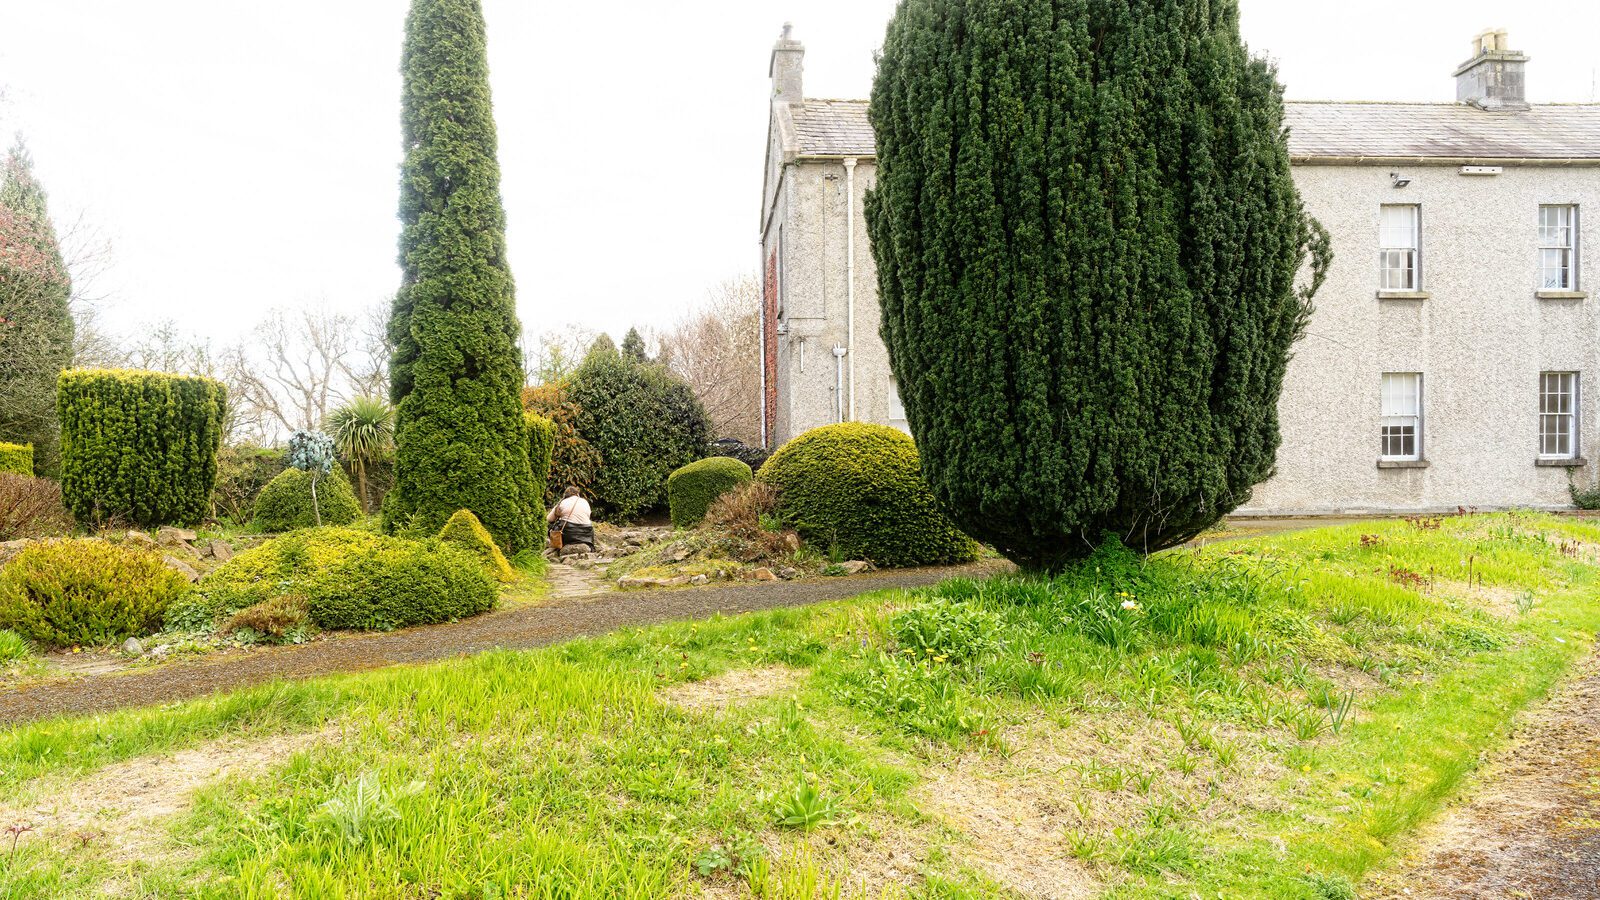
column 1531, row 826
column 580, row 614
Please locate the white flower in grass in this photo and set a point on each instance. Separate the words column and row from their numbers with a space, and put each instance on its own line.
column 1129, row 605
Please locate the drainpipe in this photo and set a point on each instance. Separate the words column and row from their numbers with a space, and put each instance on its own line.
column 850, row 273
column 838, row 382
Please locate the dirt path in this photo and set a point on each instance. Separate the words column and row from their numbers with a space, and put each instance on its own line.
column 1531, row 828
column 582, row 611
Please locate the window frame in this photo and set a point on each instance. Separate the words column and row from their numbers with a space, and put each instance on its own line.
column 1417, row 416
column 1573, row 415
column 1571, row 247
column 1415, row 270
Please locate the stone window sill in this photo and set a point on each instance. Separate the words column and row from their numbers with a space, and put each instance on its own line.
column 1402, row 464
column 1574, row 463
column 1561, row 295
column 1404, row 295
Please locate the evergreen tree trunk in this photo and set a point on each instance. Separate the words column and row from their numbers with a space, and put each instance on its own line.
column 1087, row 237
column 460, row 439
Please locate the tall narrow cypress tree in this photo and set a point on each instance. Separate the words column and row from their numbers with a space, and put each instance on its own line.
column 460, row 438
column 1087, row 238
column 36, row 327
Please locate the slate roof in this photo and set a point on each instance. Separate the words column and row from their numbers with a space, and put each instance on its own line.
column 834, row 128
column 1442, row 130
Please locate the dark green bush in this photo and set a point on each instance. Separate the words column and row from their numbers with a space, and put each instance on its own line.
column 16, row 459
column 692, row 489
column 541, row 450
column 644, row 423
column 285, row 503
column 1087, row 236
column 465, row 531
column 86, row 592
column 352, row 579
column 139, row 447
column 856, row 488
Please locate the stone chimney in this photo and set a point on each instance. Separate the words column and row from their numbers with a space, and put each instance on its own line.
column 1495, row 77
column 788, row 68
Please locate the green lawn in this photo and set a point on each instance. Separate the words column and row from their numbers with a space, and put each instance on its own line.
column 1268, row 718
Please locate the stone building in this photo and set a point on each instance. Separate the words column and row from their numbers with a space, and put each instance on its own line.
column 1450, row 359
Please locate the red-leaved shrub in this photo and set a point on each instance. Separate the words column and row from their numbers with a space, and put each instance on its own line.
column 31, row 508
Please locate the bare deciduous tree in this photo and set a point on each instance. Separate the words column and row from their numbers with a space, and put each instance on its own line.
column 717, row 350
column 553, row 355
column 294, row 367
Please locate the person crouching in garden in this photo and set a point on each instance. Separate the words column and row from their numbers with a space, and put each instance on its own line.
column 569, row 521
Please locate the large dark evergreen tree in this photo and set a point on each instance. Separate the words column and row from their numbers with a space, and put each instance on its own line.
column 36, row 328
column 1087, row 238
column 461, row 441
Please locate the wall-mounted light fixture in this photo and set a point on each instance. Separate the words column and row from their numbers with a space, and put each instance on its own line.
column 1399, row 180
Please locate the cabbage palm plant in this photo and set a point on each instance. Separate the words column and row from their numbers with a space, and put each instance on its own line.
column 363, row 430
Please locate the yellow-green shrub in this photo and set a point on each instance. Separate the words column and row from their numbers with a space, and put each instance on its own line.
column 858, row 489
column 692, row 489
column 285, row 503
column 139, row 447
column 465, row 531
column 85, row 591
column 351, row 579
column 16, row 459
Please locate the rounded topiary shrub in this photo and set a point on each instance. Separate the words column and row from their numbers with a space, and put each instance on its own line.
column 86, row 592
column 465, row 531
column 857, row 489
column 352, row 579
column 285, row 503
column 692, row 489
column 139, row 447
column 17, row 459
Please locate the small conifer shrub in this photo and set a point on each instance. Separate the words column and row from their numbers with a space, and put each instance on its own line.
column 465, row 531
column 855, row 489
column 16, row 459
column 692, row 489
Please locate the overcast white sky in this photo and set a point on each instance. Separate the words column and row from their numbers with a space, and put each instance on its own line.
column 241, row 156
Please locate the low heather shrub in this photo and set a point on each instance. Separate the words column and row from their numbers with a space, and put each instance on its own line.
column 743, row 524
column 85, row 591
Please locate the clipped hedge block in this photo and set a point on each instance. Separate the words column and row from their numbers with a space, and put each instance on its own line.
column 86, row 592
column 16, row 459
column 352, row 579
column 692, row 489
column 858, row 489
column 139, row 447
column 285, row 503
column 465, row 531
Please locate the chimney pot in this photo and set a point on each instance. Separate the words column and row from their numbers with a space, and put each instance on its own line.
column 787, row 69
column 1496, row 76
